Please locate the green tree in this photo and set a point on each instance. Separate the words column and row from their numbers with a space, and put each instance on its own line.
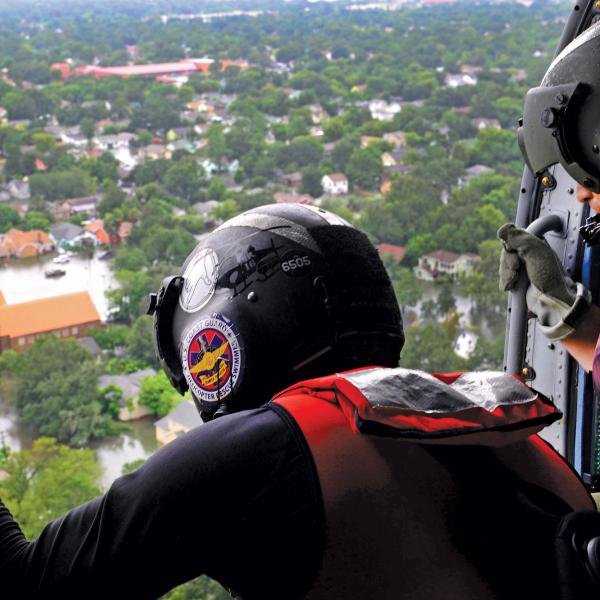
column 140, row 344
column 128, row 301
column 216, row 189
column 46, row 481
column 9, row 217
column 408, row 292
column 183, row 179
column 430, row 347
column 201, row 588
column 36, row 220
column 87, row 126
column 227, row 209
column 132, row 466
column 112, row 198
column 110, row 337
column 364, row 168
column 446, row 301
column 311, row 181
column 56, row 392
column 158, row 394
column 482, row 287
column 216, row 148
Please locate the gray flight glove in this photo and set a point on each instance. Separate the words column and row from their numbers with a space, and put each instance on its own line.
column 559, row 303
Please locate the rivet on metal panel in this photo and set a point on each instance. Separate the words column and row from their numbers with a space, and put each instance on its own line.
column 551, row 346
column 570, row 190
column 569, row 256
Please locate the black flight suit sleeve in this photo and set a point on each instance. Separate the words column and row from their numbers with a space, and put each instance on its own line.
column 237, row 499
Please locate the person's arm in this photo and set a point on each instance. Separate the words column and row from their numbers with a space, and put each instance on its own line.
column 581, row 344
column 234, row 499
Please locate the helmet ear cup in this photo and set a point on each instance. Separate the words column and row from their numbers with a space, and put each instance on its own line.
column 162, row 306
column 561, row 118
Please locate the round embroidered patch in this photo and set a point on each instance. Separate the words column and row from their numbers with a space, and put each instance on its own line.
column 212, row 358
column 200, row 277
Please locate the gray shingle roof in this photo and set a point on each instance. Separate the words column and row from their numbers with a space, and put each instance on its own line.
column 130, row 383
column 184, row 413
column 65, row 231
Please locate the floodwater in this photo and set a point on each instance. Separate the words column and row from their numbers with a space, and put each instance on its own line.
column 112, row 453
column 22, row 280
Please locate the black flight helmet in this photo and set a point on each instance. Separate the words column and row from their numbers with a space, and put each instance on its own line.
column 561, row 118
column 278, row 294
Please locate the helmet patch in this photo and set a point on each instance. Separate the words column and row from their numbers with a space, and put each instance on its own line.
column 212, row 358
column 200, row 278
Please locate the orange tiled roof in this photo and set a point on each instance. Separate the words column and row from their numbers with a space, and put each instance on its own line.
column 47, row 314
column 21, row 238
column 95, row 225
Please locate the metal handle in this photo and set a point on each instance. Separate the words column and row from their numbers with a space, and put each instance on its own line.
column 515, row 349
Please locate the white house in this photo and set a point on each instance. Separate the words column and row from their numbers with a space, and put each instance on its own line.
column 384, row 111
column 67, row 235
column 442, row 262
column 465, row 344
column 335, row 184
column 473, row 172
column 482, row 123
column 457, row 80
column 114, row 142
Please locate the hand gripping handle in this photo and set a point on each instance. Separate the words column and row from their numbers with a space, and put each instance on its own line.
column 515, row 347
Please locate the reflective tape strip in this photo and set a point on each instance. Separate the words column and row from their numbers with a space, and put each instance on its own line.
column 419, row 391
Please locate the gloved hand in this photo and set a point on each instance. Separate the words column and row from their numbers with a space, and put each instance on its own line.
column 558, row 302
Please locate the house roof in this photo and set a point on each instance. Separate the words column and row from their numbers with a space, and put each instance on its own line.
column 47, row 314
column 65, row 231
column 185, row 413
column 444, row 256
column 129, row 383
column 91, row 345
column 17, row 239
column 282, row 198
column 477, row 170
column 81, row 200
column 396, row 251
column 188, row 66
column 338, row 177
column 95, row 226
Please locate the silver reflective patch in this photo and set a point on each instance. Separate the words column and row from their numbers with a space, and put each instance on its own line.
column 199, row 280
column 276, row 225
column 419, row 391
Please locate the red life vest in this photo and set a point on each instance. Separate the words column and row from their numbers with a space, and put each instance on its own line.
column 400, row 518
